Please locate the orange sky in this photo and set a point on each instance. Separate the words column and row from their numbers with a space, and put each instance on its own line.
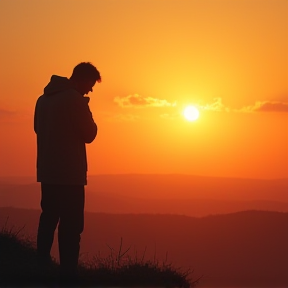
column 229, row 58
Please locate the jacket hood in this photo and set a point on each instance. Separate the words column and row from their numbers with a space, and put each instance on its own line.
column 57, row 84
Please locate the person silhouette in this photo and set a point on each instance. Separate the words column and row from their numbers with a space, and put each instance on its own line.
column 63, row 124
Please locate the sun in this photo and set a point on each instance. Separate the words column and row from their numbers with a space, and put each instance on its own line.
column 191, row 113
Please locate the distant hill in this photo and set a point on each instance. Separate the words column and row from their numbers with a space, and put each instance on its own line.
column 189, row 187
column 247, row 248
column 168, row 194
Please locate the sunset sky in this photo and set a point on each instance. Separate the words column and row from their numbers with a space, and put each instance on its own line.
column 227, row 58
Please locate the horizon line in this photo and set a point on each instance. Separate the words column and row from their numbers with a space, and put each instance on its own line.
column 161, row 174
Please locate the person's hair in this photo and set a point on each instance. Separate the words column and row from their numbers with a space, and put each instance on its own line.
column 86, row 71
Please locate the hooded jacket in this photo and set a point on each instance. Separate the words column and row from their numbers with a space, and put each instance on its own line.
column 63, row 123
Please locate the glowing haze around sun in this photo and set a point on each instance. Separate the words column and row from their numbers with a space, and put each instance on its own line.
column 191, row 113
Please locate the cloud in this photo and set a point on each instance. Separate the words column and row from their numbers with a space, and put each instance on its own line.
column 139, row 101
column 259, row 106
column 217, row 105
column 267, row 106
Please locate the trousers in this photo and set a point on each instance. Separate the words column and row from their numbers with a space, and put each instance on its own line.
column 62, row 205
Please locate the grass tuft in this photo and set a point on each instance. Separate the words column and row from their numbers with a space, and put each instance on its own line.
column 18, row 267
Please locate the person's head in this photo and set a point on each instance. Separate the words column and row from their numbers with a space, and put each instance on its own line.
column 84, row 77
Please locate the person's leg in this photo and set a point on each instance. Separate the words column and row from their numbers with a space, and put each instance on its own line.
column 47, row 223
column 71, row 225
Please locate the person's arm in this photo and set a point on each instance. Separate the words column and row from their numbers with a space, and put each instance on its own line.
column 83, row 119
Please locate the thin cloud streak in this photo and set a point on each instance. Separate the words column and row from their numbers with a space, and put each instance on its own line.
column 259, row 106
column 139, row 101
column 132, row 101
column 6, row 113
column 267, row 106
